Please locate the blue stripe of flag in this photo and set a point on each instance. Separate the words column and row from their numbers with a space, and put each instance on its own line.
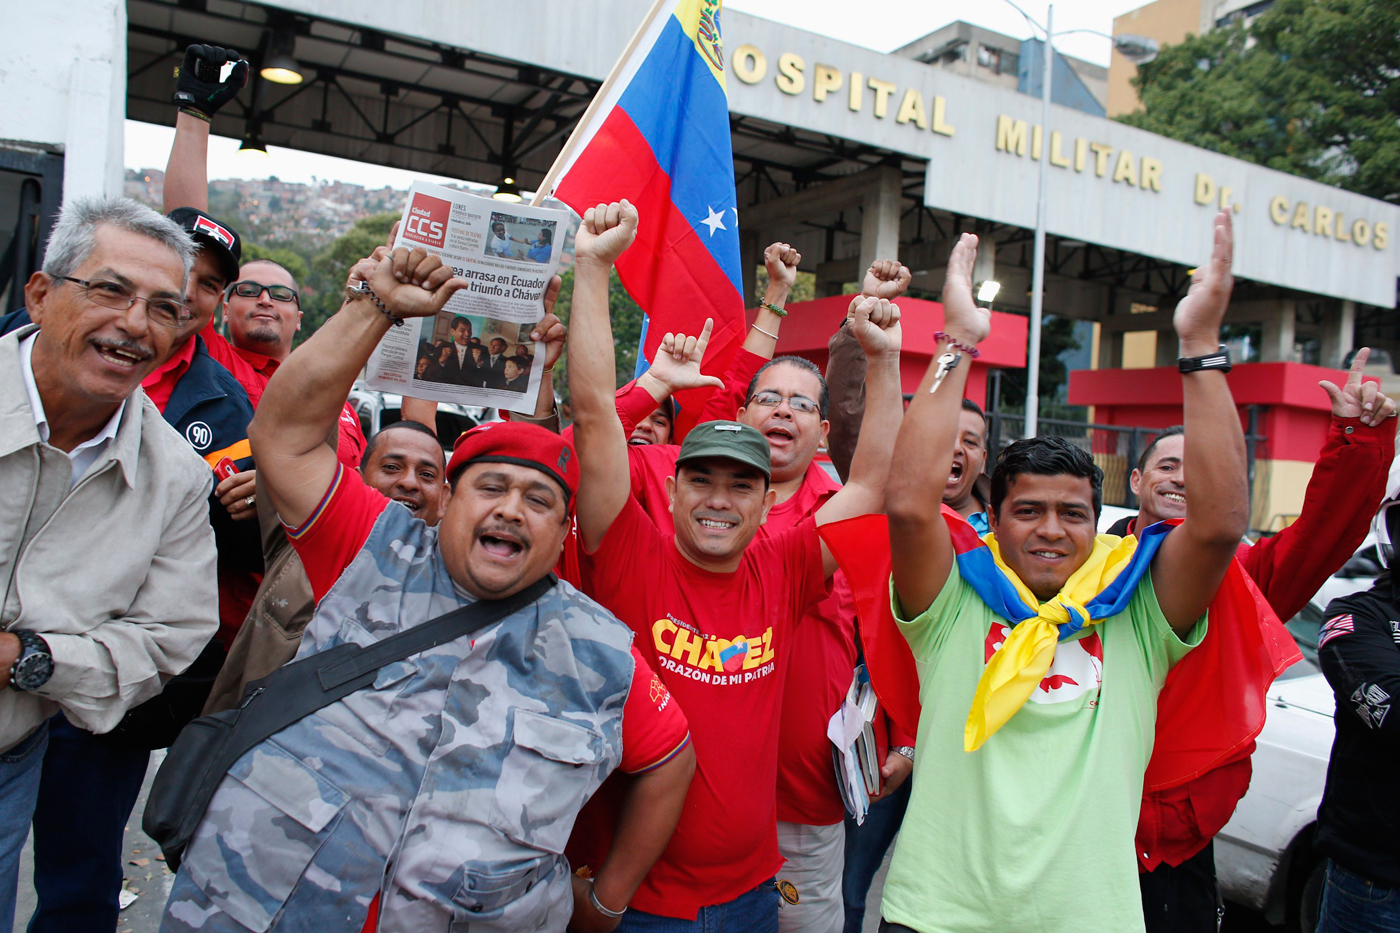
column 683, row 114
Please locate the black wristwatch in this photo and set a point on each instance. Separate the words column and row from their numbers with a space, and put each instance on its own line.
column 34, row 666
column 1220, row 360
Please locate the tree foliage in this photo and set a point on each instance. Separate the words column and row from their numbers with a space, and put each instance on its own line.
column 1056, row 336
column 626, row 318
column 329, row 267
column 1309, row 87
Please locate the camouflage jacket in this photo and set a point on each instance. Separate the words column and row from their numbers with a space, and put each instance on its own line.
column 451, row 785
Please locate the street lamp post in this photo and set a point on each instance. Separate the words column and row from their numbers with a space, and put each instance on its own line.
column 1136, row 49
column 1038, row 269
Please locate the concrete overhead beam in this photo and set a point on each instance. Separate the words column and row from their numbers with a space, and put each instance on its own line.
column 819, row 199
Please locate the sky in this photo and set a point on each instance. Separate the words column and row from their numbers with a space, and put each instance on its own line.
column 883, row 25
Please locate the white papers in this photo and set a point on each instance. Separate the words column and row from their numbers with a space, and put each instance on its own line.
column 854, row 753
column 477, row 350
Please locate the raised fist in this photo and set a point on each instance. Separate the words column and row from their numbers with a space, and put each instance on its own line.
column 1197, row 316
column 886, row 278
column 606, row 232
column 198, row 86
column 961, row 316
column 782, row 261
column 875, row 323
column 414, row 283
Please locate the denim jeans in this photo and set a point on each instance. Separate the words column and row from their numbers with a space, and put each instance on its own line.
column 20, row 768
column 754, row 912
column 1351, row 904
column 87, row 793
column 865, row 850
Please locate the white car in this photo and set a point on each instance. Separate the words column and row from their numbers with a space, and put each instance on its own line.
column 1264, row 856
column 378, row 410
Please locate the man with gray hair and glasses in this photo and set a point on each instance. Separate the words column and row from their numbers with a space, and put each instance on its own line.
column 107, row 583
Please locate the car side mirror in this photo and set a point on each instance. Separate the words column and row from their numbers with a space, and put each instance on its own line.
column 1359, row 567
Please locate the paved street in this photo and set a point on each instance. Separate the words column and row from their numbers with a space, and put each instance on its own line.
column 144, row 872
column 147, row 877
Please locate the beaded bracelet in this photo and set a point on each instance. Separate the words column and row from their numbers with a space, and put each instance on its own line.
column 956, row 344
column 362, row 289
column 769, row 306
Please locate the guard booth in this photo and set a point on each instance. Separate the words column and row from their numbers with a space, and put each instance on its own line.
column 31, row 190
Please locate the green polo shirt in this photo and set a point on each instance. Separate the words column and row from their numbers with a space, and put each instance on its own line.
column 1033, row 832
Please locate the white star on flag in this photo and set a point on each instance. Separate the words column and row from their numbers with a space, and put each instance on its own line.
column 715, row 221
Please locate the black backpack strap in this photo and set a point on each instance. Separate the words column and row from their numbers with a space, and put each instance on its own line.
column 430, row 634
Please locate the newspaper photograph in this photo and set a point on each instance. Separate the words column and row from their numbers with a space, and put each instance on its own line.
column 477, row 350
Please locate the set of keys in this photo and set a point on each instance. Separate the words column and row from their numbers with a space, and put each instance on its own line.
column 947, row 362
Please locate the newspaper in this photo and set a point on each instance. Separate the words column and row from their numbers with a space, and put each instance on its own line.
column 477, row 350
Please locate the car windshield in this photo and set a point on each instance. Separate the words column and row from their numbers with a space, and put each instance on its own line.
column 1304, row 628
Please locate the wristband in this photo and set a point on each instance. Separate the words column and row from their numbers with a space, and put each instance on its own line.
column 598, row 906
column 197, row 114
column 1220, row 360
column 942, row 337
column 769, row 306
column 764, row 332
column 362, row 290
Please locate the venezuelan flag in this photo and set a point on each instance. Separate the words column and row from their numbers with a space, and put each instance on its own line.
column 660, row 139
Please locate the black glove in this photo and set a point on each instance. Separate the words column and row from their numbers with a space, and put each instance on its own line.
column 198, row 86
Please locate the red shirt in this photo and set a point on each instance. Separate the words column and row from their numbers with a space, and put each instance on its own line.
column 634, row 404
column 253, row 370
column 721, row 643
column 160, row 384
column 1346, row 488
column 824, row 655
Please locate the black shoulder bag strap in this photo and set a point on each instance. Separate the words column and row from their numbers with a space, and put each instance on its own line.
column 209, row 746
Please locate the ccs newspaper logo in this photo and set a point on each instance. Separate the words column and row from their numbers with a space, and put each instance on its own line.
column 427, row 220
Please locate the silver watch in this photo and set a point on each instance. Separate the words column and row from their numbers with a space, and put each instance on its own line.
column 906, row 750
column 34, row 665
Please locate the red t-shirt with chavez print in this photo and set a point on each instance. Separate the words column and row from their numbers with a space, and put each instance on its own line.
column 720, row 642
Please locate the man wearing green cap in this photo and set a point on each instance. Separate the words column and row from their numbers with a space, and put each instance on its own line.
column 712, row 605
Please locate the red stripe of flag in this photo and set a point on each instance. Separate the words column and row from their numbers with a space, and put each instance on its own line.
column 667, row 270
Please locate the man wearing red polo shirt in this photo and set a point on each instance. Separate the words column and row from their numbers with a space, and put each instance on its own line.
column 713, row 609
column 1177, row 826
column 263, row 307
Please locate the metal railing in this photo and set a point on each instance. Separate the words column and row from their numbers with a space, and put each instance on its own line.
column 1115, row 448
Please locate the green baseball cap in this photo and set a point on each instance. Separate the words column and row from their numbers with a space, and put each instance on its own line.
column 728, row 439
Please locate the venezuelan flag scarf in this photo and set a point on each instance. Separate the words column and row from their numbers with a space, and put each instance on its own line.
column 1214, row 700
column 1101, row 587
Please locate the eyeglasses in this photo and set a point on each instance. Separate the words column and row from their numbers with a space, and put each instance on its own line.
column 166, row 311
column 250, row 289
column 796, row 402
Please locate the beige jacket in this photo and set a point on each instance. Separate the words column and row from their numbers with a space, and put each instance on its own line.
column 117, row 574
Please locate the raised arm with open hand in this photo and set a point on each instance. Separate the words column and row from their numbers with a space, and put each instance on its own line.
column 604, row 484
column 875, row 323
column 305, row 396
column 1188, row 569
column 921, row 551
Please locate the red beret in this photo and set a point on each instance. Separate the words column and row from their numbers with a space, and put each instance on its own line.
column 522, row 444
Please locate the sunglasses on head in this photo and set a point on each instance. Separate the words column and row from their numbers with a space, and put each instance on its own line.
column 250, row 289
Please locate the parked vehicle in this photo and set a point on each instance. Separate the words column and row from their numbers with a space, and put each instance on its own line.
column 378, row 410
column 1264, row 856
